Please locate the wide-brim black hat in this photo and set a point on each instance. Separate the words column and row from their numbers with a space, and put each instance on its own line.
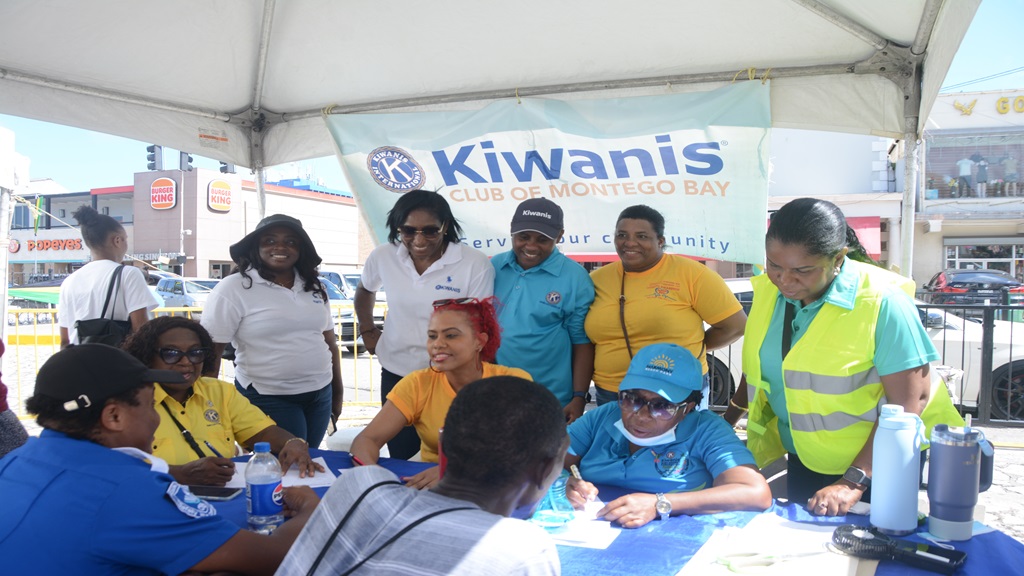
column 240, row 248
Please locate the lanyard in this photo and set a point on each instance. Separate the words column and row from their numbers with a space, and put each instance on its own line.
column 787, row 329
column 184, row 432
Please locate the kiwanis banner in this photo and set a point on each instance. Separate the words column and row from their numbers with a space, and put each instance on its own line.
column 701, row 159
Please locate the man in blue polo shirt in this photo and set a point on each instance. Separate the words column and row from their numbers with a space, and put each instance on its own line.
column 543, row 298
column 678, row 461
column 87, row 498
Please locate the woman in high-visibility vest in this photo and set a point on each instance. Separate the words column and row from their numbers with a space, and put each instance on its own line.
column 828, row 340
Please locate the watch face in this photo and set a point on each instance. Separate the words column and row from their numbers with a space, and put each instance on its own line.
column 663, row 507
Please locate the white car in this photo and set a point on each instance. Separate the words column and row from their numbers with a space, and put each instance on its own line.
column 957, row 340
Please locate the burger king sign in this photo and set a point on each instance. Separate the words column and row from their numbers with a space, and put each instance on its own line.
column 163, row 194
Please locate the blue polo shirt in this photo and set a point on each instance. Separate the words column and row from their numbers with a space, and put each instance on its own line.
column 541, row 311
column 705, row 446
column 901, row 341
column 76, row 507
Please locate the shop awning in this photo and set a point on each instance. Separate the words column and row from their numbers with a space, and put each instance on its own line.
column 46, row 295
column 868, row 232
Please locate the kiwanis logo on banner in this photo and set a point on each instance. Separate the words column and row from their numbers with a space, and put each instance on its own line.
column 701, row 159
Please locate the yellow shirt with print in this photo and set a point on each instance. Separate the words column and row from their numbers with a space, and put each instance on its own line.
column 215, row 412
column 424, row 397
column 667, row 303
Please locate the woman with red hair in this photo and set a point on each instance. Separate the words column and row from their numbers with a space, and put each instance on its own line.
column 462, row 339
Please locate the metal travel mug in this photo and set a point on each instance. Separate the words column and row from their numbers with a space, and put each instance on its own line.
column 958, row 456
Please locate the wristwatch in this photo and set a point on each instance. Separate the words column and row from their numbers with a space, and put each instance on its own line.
column 663, row 507
column 584, row 395
column 857, row 476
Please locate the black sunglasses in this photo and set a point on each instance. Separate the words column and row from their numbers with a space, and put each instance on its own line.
column 450, row 301
column 660, row 409
column 428, row 232
column 173, row 355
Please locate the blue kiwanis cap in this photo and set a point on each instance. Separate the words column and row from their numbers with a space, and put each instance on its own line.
column 668, row 370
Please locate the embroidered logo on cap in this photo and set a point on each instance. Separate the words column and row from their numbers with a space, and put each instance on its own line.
column 661, row 364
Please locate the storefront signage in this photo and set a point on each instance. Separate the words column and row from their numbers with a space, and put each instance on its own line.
column 218, row 196
column 163, row 194
column 1004, row 105
column 68, row 244
column 14, row 246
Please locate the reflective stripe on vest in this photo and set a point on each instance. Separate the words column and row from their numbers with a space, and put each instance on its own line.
column 824, row 384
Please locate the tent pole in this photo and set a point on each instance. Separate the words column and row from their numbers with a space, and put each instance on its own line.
column 911, row 150
column 5, row 241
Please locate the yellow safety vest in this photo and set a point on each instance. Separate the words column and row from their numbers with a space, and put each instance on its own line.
column 832, row 388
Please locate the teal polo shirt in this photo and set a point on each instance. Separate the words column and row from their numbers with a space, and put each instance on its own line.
column 901, row 341
column 541, row 312
column 704, row 447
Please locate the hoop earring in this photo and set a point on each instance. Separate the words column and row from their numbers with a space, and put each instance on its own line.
column 432, row 369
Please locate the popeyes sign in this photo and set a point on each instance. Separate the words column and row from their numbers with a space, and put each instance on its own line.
column 218, row 196
column 163, row 194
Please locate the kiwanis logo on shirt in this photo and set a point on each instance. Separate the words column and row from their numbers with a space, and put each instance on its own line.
column 671, row 464
column 553, row 298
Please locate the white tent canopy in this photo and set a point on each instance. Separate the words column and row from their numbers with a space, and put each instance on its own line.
column 246, row 81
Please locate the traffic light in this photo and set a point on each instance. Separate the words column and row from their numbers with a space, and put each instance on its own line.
column 226, row 168
column 186, row 162
column 155, row 157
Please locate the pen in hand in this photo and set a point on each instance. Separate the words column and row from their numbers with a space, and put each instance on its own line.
column 575, row 472
column 212, row 449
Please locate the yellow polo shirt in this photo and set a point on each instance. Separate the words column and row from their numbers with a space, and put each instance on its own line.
column 215, row 412
column 424, row 397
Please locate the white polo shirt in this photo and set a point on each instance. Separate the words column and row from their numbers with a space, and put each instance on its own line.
column 278, row 333
column 82, row 295
column 461, row 272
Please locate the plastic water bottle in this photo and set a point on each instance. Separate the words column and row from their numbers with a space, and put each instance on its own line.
column 554, row 510
column 264, row 495
column 895, row 470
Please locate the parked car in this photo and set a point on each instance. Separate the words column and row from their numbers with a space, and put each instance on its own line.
column 343, row 313
column 961, row 286
column 958, row 341
column 185, row 292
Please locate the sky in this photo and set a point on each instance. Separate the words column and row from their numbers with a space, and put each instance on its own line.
column 80, row 159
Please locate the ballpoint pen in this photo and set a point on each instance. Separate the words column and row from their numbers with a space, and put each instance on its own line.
column 212, row 449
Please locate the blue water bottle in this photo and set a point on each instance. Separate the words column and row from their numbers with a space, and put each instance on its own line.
column 895, row 470
column 264, row 495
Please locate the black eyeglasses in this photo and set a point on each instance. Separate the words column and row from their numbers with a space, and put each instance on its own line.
column 428, row 232
column 450, row 301
column 659, row 409
column 173, row 355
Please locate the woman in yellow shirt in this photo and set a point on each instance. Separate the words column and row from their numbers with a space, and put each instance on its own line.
column 202, row 418
column 650, row 297
column 462, row 339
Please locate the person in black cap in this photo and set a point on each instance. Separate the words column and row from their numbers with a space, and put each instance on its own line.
column 277, row 315
column 544, row 299
column 87, row 498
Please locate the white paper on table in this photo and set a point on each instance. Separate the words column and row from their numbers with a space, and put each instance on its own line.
column 586, row 530
column 290, row 478
column 771, row 534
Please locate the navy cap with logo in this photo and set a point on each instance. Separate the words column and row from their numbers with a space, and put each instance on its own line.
column 538, row 215
column 88, row 374
column 668, row 370
column 245, row 244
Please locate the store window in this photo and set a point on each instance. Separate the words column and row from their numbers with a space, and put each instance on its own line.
column 1006, row 254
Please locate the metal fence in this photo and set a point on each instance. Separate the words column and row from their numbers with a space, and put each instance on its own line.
column 33, row 336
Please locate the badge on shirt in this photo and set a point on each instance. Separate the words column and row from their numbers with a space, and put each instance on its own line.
column 553, row 298
column 188, row 503
column 671, row 464
column 212, row 415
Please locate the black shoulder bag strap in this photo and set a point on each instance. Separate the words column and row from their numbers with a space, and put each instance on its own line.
column 115, row 283
column 184, row 432
column 344, row 520
column 787, row 329
column 622, row 313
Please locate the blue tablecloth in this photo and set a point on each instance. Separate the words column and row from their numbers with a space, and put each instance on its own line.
column 662, row 548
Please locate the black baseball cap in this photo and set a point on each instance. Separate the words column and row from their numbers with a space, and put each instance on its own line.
column 238, row 249
column 88, row 374
column 538, row 215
